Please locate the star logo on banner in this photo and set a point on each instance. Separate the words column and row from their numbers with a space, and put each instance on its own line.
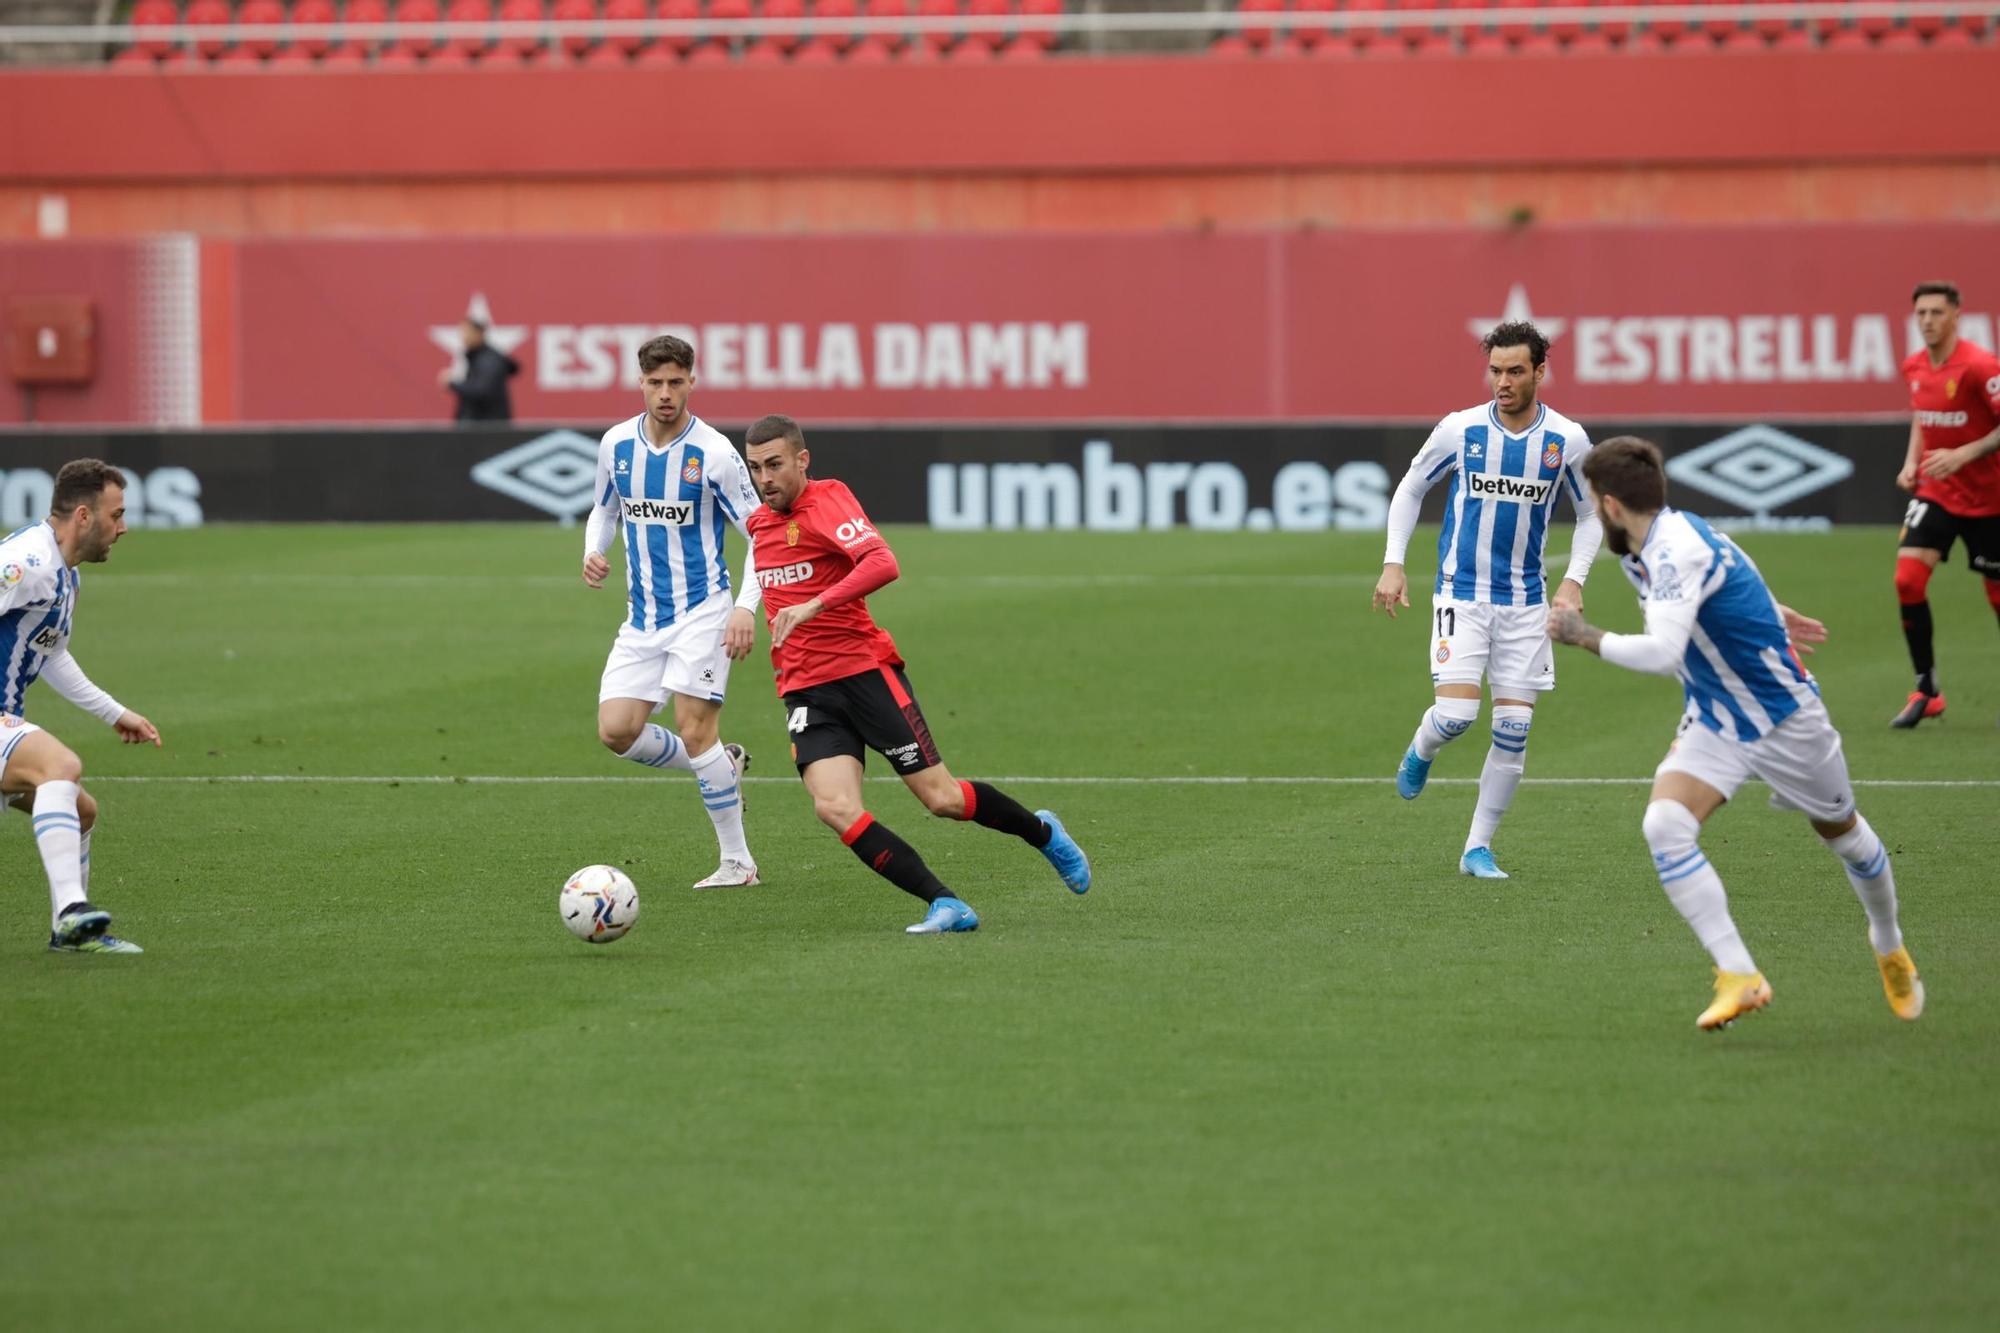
column 1518, row 308
column 502, row 338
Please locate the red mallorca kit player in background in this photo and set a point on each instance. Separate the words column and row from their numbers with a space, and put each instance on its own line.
column 1951, row 469
column 842, row 682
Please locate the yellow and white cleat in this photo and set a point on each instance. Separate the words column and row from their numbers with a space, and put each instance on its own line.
column 1901, row 984
column 1736, row 994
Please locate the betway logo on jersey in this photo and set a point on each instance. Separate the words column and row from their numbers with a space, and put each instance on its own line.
column 1941, row 418
column 797, row 572
column 1484, row 487
column 665, row 513
column 1016, row 355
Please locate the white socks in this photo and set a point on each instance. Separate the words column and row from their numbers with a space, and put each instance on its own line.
column 1445, row 722
column 1867, row 862
column 1501, row 777
column 724, row 800
column 59, row 838
column 658, row 748
column 1692, row 884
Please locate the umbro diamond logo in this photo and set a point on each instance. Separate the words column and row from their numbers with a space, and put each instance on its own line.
column 554, row 473
column 1759, row 469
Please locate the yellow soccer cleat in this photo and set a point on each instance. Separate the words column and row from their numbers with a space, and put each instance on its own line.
column 1901, row 984
column 1736, row 994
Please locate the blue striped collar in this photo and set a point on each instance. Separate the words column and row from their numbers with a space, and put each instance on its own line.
column 1541, row 415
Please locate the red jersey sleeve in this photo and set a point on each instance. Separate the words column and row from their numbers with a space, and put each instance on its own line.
column 1989, row 383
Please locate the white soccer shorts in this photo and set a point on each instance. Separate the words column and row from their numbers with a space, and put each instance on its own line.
column 1800, row 758
column 684, row 658
column 1507, row 645
column 13, row 730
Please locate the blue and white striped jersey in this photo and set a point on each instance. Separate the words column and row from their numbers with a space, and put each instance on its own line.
column 674, row 503
column 1739, row 670
column 37, row 607
column 1502, row 494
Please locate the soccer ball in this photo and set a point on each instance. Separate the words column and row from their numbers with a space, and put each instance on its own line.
column 599, row 904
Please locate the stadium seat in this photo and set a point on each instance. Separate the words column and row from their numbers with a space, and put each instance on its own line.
column 1720, row 29
column 820, row 50
column 1336, row 46
column 1773, row 27
column 1792, row 39
column 999, row 9
column 1024, row 50
column 1538, row 44
column 1516, row 26
column 970, row 53
column 204, row 12
column 1482, row 42
column 832, row 10
column 1309, row 28
column 519, row 11
column 269, row 12
column 1876, row 26
column 762, row 52
column 1649, row 42
column 574, row 11
column 939, row 39
column 889, row 41
column 675, row 45
column 1229, row 46
column 1737, row 41
column 1955, row 37
column 350, row 50
column 1925, row 25
column 1359, row 36
column 1618, row 30
column 155, row 20
column 1569, row 29
column 469, row 11
column 781, row 38
column 870, row 51
column 420, row 43
column 626, row 11
column 1846, row 39
column 1900, row 39
column 1591, row 43
column 1260, row 21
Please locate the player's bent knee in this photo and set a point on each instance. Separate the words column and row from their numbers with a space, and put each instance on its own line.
column 836, row 813
column 1669, row 825
column 616, row 740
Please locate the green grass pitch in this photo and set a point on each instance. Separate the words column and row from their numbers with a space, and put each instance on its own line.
column 1282, row 1068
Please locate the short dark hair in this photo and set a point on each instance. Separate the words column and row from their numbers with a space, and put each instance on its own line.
column 80, row 482
column 776, row 426
column 1631, row 471
column 1948, row 290
column 1518, row 333
column 663, row 349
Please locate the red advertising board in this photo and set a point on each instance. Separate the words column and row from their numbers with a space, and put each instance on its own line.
column 1648, row 323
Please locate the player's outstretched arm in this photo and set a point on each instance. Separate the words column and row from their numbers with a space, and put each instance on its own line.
column 66, row 677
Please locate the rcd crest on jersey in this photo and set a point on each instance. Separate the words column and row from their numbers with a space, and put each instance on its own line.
column 1552, row 456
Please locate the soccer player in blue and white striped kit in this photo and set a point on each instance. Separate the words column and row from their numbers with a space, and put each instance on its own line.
column 1753, row 710
column 672, row 485
column 1509, row 460
column 38, row 773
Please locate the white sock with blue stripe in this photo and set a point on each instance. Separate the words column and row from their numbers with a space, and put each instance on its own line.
column 1444, row 722
column 1867, row 862
column 1501, row 777
column 83, row 861
column 59, row 838
column 724, row 800
column 1692, row 886
column 658, row 748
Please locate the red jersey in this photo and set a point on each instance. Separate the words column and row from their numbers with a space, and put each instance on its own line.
column 1957, row 403
column 803, row 552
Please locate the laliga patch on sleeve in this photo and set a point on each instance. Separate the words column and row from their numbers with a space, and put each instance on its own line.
column 11, row 574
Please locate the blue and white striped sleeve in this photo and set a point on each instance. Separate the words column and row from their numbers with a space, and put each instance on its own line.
column 1438, row 456
column 603, row 522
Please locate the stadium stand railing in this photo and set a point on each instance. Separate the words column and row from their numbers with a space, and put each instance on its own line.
column 187, row 35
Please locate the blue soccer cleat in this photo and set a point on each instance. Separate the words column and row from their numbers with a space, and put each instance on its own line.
column 1065, row 855
column 946, row 915
column 1478, row 863
column 1411, row 777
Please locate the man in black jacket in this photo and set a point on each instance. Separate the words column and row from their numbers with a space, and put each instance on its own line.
column 482, row 392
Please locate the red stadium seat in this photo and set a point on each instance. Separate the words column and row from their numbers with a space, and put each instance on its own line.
column 1774, row 26
column 1538, row 44
column 1261, row 23
column 999, row 9
column 1480, row 43
column 451, row 56
column 1570, row 29
column 1046, row 38
column 840, row 10
column 1900, row 39
column 763, row 51
column 870, row 51
column 520, row 11
column 1649, row 41
column 1925, row 25
column 1616, row 29
column 260, row 12
column 574, row 11
column 1955, row 38
column 606, row 54
column 155, row 19
column 938, row 39
column 662, row 54
column 1736, row 41
column 709, row 53
column 201, row 13
column 821, row 50
column 1592, row 43
column 420, row 43
column 896, row 10
column 626, row 11
column 787, row 12
column 1517, row 27
column 469, row 11
column 1024, row 50
column 676, row 44
column 1336, row 46
column 1308, row 27
column 1876, row 26
column 970, row 53
column 135, row 58
column 1721, row 28
column 350, row 50
column 1229, row 46
column 1846, row 39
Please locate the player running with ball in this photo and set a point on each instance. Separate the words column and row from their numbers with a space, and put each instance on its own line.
column 841, row 679
column 1752, row 711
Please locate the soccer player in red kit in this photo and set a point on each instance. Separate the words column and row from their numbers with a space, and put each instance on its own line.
column 1952, row 471
column 817, row 558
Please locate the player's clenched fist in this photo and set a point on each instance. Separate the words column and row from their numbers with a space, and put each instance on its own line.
column 595, row 569
column 1392, row 590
